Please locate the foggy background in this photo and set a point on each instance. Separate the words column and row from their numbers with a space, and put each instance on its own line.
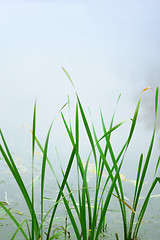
column 107, row 47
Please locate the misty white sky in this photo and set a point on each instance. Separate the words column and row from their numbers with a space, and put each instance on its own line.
column 107, row 47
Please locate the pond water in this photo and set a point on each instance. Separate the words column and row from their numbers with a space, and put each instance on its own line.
column 107, row 49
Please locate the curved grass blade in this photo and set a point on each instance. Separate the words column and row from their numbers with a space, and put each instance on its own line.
column 68, row 77
column 71, row 196
column 124, row 203
column 81, row 201
column 135, row 196
column 87, row 130
column 138, row 176
column 116, row 235
column 156, row 102
column 33, row 148
column 158, row 162
column 135, row 116
column 10, row 162
column 111, row 130
column 111, row 124
column 33, row 131
column 43, row 174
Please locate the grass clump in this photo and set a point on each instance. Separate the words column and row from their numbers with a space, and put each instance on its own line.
column 88, row 219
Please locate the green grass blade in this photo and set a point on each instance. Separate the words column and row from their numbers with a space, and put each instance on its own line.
column 14, row 220
column 138, row 176
column 87, row 130
column 61, row 189
column 123, row 209
column 119, row 190
column 81, row 202
column 42, row 150
column 145, row 167
column 108, row 137
column 156, row 102
column 134, row 119
column 133, row 122
column 157, row 165
column 108, row 144
column 116, row 235
column 78, row 159
column 10, row 162
column 43, row 174
column 68, row 77
column 111, row 130
column 33, row 148
column 83, row 212
column 135, row 195
column 70, row 192
column 88, row 199
column 111, row 124
column 68, row 130
column 77, row 129
column 33, row 131
column 68, row 208
column 145, row 204
column 72, row 219
column 28, row 230
column 107, row 201
column 71, row 196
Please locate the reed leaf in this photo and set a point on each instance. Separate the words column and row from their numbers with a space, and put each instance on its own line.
column 157, row 165
column 33, row 148
column 43, row 174
column 10, row 162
